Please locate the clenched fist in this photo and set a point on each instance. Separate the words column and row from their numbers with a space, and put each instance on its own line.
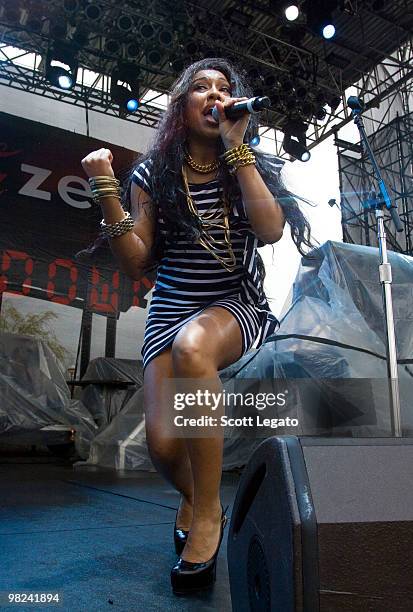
column 98, row 163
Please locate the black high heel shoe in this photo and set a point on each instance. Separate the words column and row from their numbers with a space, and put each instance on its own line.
column 180, row 538
column 187, row 577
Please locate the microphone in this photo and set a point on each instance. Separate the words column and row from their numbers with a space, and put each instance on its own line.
column 253, row 105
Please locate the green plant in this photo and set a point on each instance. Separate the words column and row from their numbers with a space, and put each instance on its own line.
column 35, row 325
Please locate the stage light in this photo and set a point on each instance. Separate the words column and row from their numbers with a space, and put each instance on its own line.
column 319, row 17
column 288, row 8
column 255, row 141
column 124, row 88
column 125, row 23
column 132, row 105
column 294, row 142
column 61, row 66
column 328, row 30
column 296, row 149
column 146, row 31
column 320, row 114
column 291, row 11
column 165, row 38
column 132, row 50
column 153, row 57
column 93, row 12
column 112, row 46
column 334, row 102
column 301, row 92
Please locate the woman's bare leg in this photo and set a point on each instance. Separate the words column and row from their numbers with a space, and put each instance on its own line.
column 169, row 455
column 210, row 342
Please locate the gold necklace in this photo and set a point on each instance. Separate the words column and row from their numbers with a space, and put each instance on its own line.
column 202, row 168
column 213, row 219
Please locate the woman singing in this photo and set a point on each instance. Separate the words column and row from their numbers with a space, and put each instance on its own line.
column 202, row 201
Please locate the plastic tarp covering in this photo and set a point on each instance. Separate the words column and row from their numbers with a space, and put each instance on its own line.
column 330, row 351
column 331, row 345
column 121, row 441
column 34, row 392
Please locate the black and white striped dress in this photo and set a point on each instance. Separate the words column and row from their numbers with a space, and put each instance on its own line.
column 189, row 279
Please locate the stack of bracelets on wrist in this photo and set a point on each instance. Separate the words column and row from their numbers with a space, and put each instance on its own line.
column 117, row 229
column 239, row 156
column 108, row 187
column 104, row 187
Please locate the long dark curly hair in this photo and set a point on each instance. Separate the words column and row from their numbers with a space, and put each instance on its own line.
column 166, row 157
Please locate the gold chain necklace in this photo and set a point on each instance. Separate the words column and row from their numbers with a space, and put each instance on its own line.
column 213, row 219
column 202, row 168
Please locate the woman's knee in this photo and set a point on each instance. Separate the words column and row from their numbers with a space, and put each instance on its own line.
column 190, row 355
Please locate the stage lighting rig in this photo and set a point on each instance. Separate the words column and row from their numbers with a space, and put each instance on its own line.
column 61, row 66
column 124, row 88
column 294, row 142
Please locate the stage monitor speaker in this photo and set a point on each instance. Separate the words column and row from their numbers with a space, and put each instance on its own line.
column 323, row 524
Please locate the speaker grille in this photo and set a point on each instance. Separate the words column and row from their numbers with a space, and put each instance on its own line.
column 258, row 577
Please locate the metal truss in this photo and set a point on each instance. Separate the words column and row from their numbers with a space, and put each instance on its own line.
column 393, row 147
column 87, row 97
column 251, row 47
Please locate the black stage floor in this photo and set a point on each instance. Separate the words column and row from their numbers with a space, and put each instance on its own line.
column 100, row 539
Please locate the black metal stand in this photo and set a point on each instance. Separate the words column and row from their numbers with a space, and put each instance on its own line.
column 385, row 275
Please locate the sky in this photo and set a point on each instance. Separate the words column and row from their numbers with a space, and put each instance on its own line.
column 316, row 180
